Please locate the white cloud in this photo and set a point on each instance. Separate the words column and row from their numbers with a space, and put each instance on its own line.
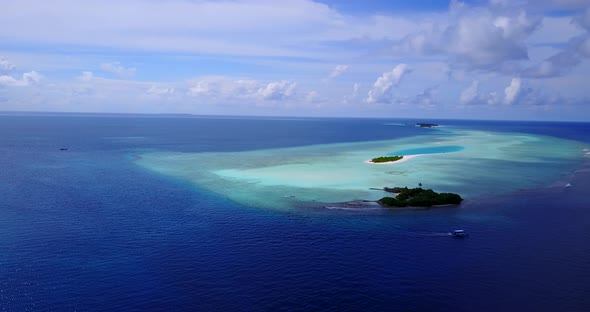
column 214, row 89
column 245, row 87
column 455, row 5
column 474, row 42
column 475, row 37
column 30, row 78
column 352, row 97
column 574, row 53
column 119, row 70
column 222, row 87
column 338, row 70
column 555, row 30
column 584, row 47
column 355, row 89
column 8, row 81
column 5, row 65
column 201, row 88
column 312, row 96
column 471, row 94
column 518, row 92
column 86, row 76
column 257, row 27
column 277, row 90
column 583, row 20
column 512, row 92
column 156, row 90
column 381, row 91
column 425, row 99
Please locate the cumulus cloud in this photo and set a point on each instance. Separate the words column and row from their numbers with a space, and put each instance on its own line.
column 354, row 96
column 245, row 87
column 157, row 90
column 520, row 92
column 473, row 96
column 86, row 76
column 215, row 88
column 338, row 70
column 512, row 91
column 6, row 80
column 312, row 96
column 562, row 62
column 30, row 78
column 516, row 93
column 574, row 53
column 221, row 87
column 425, row 99
column 355, row 89
column 277, row 90
column 202, row 87
column 584, row 47
column 5, row 66
column 478, row 38
column 475, row 40
column 119, row 70
column 583, row 20
column 381, row 91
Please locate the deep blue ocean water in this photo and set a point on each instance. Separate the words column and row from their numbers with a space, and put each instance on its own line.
column 88, row 230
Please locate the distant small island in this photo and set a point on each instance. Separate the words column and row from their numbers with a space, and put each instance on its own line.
column 418, row 197
column 384, row 159
column 422, row 124
column 426, row 125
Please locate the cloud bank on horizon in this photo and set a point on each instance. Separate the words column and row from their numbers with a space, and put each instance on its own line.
column 498, row 59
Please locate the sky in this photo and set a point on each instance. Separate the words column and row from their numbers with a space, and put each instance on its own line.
column 496, row 59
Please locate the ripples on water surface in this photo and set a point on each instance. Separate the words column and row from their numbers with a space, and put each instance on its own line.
column 87, row 229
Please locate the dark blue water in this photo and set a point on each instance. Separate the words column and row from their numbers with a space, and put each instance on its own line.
column 87, row 230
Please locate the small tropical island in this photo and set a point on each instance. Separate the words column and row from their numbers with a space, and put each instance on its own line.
column 422, row 124
column 426, row 125
column 384, row 159
column 418, row 197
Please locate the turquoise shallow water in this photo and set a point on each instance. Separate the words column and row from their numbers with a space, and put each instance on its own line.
column 471, row 163
column 429, row 150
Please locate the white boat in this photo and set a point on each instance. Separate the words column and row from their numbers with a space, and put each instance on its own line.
column 458, row 233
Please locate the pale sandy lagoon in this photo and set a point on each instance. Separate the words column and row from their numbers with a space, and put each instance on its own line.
column 491, row 162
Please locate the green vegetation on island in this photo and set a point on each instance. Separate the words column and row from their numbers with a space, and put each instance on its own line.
column 422, row 124
column 386, row 159
column 426, row 125
column 419, row 197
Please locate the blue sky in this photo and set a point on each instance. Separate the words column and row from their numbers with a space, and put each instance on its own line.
column 494, row 59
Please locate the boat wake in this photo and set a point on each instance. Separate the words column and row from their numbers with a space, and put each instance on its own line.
column 436, row 234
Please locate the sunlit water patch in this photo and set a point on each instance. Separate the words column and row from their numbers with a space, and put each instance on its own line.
column 470, row 163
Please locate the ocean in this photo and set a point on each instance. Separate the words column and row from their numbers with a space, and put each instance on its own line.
column 206, row 213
